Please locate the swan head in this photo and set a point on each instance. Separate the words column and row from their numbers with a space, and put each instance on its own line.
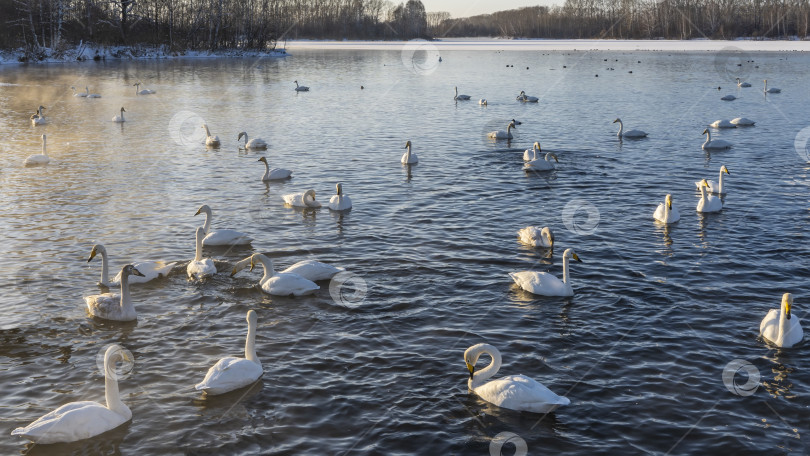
column 407, row 144
column 569, row 253
column 258, row 257
column 129, row 270
column 252, row 318
column 122, row 109
column 472, row 354
column 517, row 122
column 309, row 198
column 704, row 183
column 552, row 156
column 339, row 188
column 617, row 120
column 787, row 303
column 723, row 169
column 705, row 131
column 203, row 209
column 669, row 201
column 136, row 84
column 263, row 159
column 98, row 248
column 512, row 124
column 239, row 138
column 549, row 235
column 114, row 354
column 536, row 145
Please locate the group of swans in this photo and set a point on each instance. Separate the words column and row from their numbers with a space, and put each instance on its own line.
column 765, row 89
column 526, row 98
column 149, row 270
column 338, row 202
column 38, row 118
column 85, row 94
column 534, row 163
column 708, row 202
column 38, row 159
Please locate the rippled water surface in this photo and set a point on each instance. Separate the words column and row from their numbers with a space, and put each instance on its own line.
column 640, row 349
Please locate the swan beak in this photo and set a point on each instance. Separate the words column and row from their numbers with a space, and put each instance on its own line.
column 233, row 273
column 727, row 171
column 574, row 255
column 137, row 272
column 92, row 255
column 197, row 213
column 787, row 310
column 251, row 264
column 471, row 368
column 669, row 204
column 555, row 158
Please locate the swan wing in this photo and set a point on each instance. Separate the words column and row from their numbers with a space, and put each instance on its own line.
column 313, row 270
column 226, row 237
column 151, row 270
column 340, row 203
column 518, row 392
column 278, row 173
column 286, row 284
column 72, row 422
column 540, row 283
column 531, row 236
column 229, row 374
column 108, row 307
column 202, row 268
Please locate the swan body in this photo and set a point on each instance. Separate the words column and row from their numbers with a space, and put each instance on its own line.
column 105, row 305
column 149, row 270
column 38, row 159
column 339, row 201
column 780, row 326
column 543, row 164
column 409, row 158
column 708, row 203
column 279, row 283
column 274, row 173
column 78, row 94
column 300, row 88
column 138, row 90
column 220, row 237
column 38, row 118
column 632, row 134
column 716, row 144
column 255, row 143
column 545, row 284
column 724, row 123
column 502, row 134
column 305, row 199
column 742, row 122
column 715, row 187
column 81, row 420
column 210, row 141
column 742, row 84
column 461, row 97
column 514, row 392
column 313, row 270
column 120, row 117
column 531, row 154
column 200, row 267
column 666, row 213
column 527, row 99
column 232, row 373
column 90, row 95
column 772, row 89
column 536, row 236
column 482, row 102
column 728, row 98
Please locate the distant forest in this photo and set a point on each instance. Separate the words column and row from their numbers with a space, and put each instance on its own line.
column 258, row 24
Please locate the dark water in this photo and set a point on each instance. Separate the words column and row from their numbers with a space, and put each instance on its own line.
column 640, row 350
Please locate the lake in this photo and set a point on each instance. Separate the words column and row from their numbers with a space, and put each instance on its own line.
column 641, row 349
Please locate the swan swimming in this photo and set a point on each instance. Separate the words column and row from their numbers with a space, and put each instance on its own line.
column 120, row 118
column 715, row 187
column 78, row 94
column 38, row 118
column 502, row 134
column 280, row 283
column 781, row 327
column 514, row 392
column 90, row 95
column 149, row 270
column 339, row 201
column 461, row 97
column 728, row 98
column 531, row 154
column 255, row 143
column 545, row 284
column 536, row 236
column 81, row 420
column 724, row 123
column 38, row 159
column 409, row 158
column 311, row 270
column 665, row 212
column 304, row 199
column 232, row 373
column 543, row 164
column 274, row 173
column 220, row 237
column 482, row 102
column 110, row 306
column 631, row 134
column 210, row 141
column 742, row 122
column 772, row 89
column 716, row 144
column 742, row 84
column 708, row 203
column 300, row 88
column 200, row 267
column 527, row 99
column 142, row 92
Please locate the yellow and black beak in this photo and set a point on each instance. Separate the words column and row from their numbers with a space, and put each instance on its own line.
column 669, row 204
column 197, row 213
column 727, row 171
column 92, row 255
column 470, row 368
column 137, row 273
column 555, row 158
column 787, row 310
column 576, row 257
column 251, row 264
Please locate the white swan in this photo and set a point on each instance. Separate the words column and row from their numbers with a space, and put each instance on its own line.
column 210, row 141
column 715, row 187
column 304, row 199
column 38, row 159
column 220, row 237
column 339, row 201
column 255, row 143
column 120, row 118
column 300, row 88
column 502, row 134
column 539, row 164
column 81, row 420
column 781, row 327
column 666, row 213
column 632, row 134
column 138, row 90
column 531, row 154
column 280, row 283
column 110, row 306
column 274, row 173
column 514, row 392
column 409, row 158
column 536, row 236
column 526, row 98
column 724, row 123
column 461, row 97
column 311, row 270
column 38, row 118
column 742, row 84
column 90, row 95
column 543, row 283
column 728, row 98
column 149, row 270
column 716, row 144
column 200, row 267
column 708, row 203
column 742, row 122
column 232, row 373
column 482, row 102
column 78, row 94
column 772, row 89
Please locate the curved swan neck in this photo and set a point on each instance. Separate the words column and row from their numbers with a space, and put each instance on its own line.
column 621, row 128
column 105, row 275
column 250, row 341
column 267, row 263
column 207, row 223
column 126, row 302
column 111, row 389
column 708, row 137
column 266, row 168
column 479, row 377
column 207, row 133
column 703, row 193
column 199, row 245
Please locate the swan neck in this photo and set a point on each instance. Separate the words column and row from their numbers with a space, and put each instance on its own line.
column 250, row 344
column 105, row 268
column 199, row 247
column 708, row 136
column 267, row 263
column 207, row 132
column 565, row 269
column 44, row 142
column 720, row 182
column 488, row 372
column 126, row 302
column 266, row 169
column 111, row 390
column 784, row 326
column 207, row 223
column 621, row 128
